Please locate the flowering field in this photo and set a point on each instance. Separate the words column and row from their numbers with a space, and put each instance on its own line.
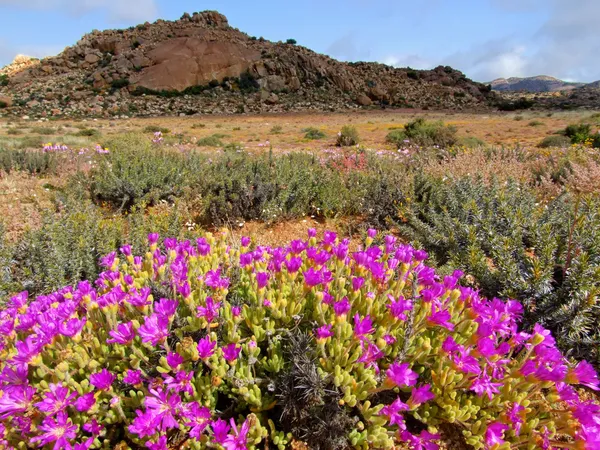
column 160, row 293
column 204, row 344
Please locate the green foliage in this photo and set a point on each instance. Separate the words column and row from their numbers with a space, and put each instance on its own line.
column 211, row 141
column 522, row 103
column 578, row 133
column 535, row 123
column 555, row 141
column 155, row 129
column 3, row 104
column 291, row 41
column 424, row 133
column 347, row 137
column 120, row 83
column 313, row 133
column 32, row 162
column 44, row 131
column 277, row 129
column 88, row 132
column 3, row 80
column 471, row 142
column 247, row 83
column 136, row 171
column 14, row 131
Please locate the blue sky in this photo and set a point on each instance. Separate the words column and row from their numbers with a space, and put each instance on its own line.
column 485, row 39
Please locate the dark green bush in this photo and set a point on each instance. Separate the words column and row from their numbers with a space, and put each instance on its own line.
column 424, row 133
column 135, row 171
column 291, row 41
column 89, row 132
column 3, row 104
column 535, row 123
column 277, row 129
column 347, row 137
column 578, row 133
column 248, row 83
column 155, row 128
column 210, row 141
column 3, row 80
column 555, row 141
column 313, row 133
column 45, row 131
column 120, row 83
column 32, row 162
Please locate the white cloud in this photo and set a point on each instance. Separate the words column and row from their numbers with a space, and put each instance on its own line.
column 115, row 10
column 414, row 61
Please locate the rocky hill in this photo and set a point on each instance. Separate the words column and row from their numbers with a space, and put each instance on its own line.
column 199, row 64
column 541, row 83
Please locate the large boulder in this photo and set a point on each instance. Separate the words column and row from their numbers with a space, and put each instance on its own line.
column 5, row 100
column 183, row 62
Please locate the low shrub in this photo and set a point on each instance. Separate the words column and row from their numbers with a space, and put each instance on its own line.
column 291, row 41
column 555, row 141
column 119, row 83
column 535, row 123
column 210, row 141
column 347, row 137
column 513, row 246
column 277, row 129
column 578, row 133
column 313, row 133
column 45, row 131
column 156, row 129
column 471, row 142
column 424, row 133
column 33, row 162
column 239, row 346
column 88, row 132
column 3, row 80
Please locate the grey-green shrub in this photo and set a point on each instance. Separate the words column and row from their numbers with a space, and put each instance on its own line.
column 347, row 137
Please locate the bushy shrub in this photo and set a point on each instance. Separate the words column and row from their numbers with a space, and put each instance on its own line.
column 424, row 133
column 471, row 142
column 578, row 133
column 45, row 131
column 210, row 141
column 232, row 346
column 88, row 132
column 135, row 171
column 313, row 133
column 535, row 123
column 33, row 162
column 156, row 129
column 555, row 141
column 120, row 83
column 276, row 129
column 3, row 80
column 515, row 247
column 347, row 137
column 291, row 41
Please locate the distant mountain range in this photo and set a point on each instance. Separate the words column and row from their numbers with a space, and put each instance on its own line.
column 541, row 83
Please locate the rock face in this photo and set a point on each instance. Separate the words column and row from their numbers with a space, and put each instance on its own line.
column 200, row 64
column 540, row 83
column 184, row 62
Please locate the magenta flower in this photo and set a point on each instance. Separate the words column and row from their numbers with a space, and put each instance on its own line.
column 371, row 232
column 71, row 327
column 16, row 400
column 236, row 311
column 245, row 241
column 85, row 402
column 211, row 311
column 93, row 427
column 153, row 238
column 238, row 439
column 441, row 318
column 401, row 375
column 421, row 442
column 102, row 380
column 124, row 334
column 392, row 412
column 262, row 278
column 231, row 352
column 133, row 377
column 155, row 329
column 174, row 359
column 293, row 264
column 108, row 260
column 399, row 307
column 164, row 407
column 323, row 332
column 342, row 307
column 198, row 418
column 363, row 327
column 421, row 395
column 494, row 434
column 515, row 418
column 144, row 424
column 57, row 429
column 313, row 277
column 161, row 444
column 483, row 385
column 206, row 347
column 585, row 374
column 214, row 280
column 357, row 283
column 182, row 382
column 57, row 399
column 220, row 428
column 312, row 232
column 166, row 307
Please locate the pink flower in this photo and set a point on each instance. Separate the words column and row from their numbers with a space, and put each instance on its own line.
column 483, row 385
column 362, row 327
column 515, row 418
column 102, row 380
column 342, row 307
column 16, row 400
column 211, row 311
column 357, row 283
column 441, row 318
column 421, row 395
column 421, row 442
column 164, row 407
column 155, row 329
column 494, row 433
column 58, row 430
column 231, row 352
column 323, row 332
column 85, row 402
column 237, row 440
column 392, row 412
column 133, row 377
column 220, row 429
column 198, row 418
column 123, row 335
column 585, row 374
column 57, row 399
column 174, row 359
column 399, row 307
column 402, row 375
column 262, row 278
column 206, row 347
